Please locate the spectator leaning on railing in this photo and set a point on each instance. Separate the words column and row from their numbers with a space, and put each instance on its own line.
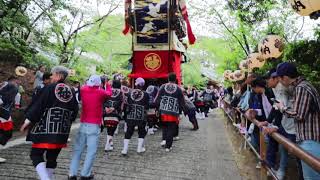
column 285, row 125
column 306, row 111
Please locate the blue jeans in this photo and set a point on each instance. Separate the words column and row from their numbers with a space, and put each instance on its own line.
column 272, row 150
column 283, row 152
column 87, row 137
column 313, row 148
column 255, row 140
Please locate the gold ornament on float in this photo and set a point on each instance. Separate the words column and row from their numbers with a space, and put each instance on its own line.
column 255, row 61
column 271, row 46
column 152, row 62
column 305, row 7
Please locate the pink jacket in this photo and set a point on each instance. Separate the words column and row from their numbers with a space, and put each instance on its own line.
column 92, row 103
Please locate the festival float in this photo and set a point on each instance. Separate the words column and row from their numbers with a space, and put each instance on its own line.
column 158, row 28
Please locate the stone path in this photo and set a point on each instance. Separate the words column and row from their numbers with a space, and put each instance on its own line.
column 200, row 155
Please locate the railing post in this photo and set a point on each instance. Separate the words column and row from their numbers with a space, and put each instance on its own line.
column 246, row 134
column 263, row 152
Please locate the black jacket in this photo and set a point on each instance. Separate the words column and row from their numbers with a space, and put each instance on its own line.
column 138, row 104
column 170, row 99
column 52, row 114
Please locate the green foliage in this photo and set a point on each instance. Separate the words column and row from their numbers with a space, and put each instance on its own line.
column 191, row 73
column 107, row 41
column 305, row 54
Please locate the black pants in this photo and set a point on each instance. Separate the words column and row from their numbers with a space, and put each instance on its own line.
column 141, row 129
column 152, row 121
column 202, row 109
column 176, row 131
column 36, row 156
column 111, row 130
column 192, row 118
column 170, row 130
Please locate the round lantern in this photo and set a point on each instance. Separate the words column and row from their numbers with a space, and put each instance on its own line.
column 271, row 46
column 305, row 7
column 232, row 77
column 21, row 71
column 255, row 61
column 239, row 75
column 226, row 74
column 244, row 65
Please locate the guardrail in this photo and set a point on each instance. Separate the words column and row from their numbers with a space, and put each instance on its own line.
column 292, row 148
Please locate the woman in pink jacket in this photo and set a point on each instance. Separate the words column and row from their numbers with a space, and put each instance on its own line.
column 92, row 96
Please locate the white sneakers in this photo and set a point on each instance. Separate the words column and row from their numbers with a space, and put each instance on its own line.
column 150, row 131
column 258, row 166
column 2, row 160
column 50, row 173
column 176, row 138
column 141, row 147
column 163, row 143
column 109, row 144
column 42, row 171
column 168, row 149
column 125, row 146
column 201, row 115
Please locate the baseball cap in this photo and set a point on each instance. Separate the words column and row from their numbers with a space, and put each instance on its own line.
column 94, row 80
column 139, row 82
column 287, row 69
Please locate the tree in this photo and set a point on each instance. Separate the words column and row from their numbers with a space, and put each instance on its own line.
column 67, row 27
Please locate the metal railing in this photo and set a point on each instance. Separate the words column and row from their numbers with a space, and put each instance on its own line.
column 291, row 147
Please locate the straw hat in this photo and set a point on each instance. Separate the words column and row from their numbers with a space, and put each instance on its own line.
column 21, row 71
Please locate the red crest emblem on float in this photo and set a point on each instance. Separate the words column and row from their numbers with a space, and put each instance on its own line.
column 152, row 62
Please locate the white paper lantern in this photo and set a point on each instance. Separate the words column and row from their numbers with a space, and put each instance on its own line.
column 232, row 77
column 239, row 75
column 305, row 7
column 255, row 61
column 226, row 74
column 271, row 46
column 244, row 65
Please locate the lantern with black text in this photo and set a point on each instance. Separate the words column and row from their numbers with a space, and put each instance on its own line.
column 232, row 77
column 243, row 65
column 255, row 61
column 239, row 75
column 226, row 74
column 271, row 46
column 306, row 7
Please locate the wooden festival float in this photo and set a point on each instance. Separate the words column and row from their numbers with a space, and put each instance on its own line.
column 158, row 28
